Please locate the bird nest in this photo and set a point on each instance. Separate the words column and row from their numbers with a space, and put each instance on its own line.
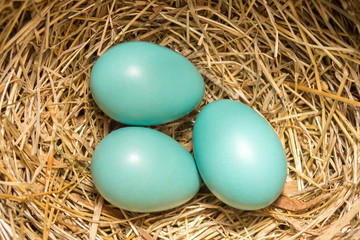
column 296, row 62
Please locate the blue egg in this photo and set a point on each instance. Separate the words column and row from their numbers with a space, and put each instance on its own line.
column 239, row 155
column 141, row 83
column 142, row 170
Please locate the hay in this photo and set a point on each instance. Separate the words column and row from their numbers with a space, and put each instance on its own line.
column 296, row 62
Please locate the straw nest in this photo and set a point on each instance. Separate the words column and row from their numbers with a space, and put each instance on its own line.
column 296, row 62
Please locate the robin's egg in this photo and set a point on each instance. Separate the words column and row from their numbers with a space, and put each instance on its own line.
column 239, row 155
column 141, row 83
column 142, row 170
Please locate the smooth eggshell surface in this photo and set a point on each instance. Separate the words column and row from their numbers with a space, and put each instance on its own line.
column 141, row 83
column 142, row 170
column 239, row 155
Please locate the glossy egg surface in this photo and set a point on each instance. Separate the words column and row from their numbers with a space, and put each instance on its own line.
column 142, row 83
column 239, row 155
column 142, row 170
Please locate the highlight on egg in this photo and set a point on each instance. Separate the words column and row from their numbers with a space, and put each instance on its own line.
column 239, row 155
column 143, row 170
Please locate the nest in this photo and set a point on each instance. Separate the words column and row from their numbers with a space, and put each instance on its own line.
column 296, row 62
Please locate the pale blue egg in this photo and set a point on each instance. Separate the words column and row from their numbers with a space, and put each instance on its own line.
column 239, row 155
column 141, row 83
column 143, row 170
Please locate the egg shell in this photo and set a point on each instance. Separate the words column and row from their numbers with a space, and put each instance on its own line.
column 143, row 170
column 239, row 155
column 142, row 83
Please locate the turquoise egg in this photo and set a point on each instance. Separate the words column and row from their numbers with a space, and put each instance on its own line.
column 142, row 170
column 239, row 155
column 141, row 83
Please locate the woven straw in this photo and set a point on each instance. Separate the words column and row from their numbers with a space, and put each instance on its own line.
column 296, row 62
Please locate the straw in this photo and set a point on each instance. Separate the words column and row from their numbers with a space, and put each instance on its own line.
column 296, row 62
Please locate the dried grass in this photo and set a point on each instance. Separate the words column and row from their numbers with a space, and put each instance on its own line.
column 296, row 62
